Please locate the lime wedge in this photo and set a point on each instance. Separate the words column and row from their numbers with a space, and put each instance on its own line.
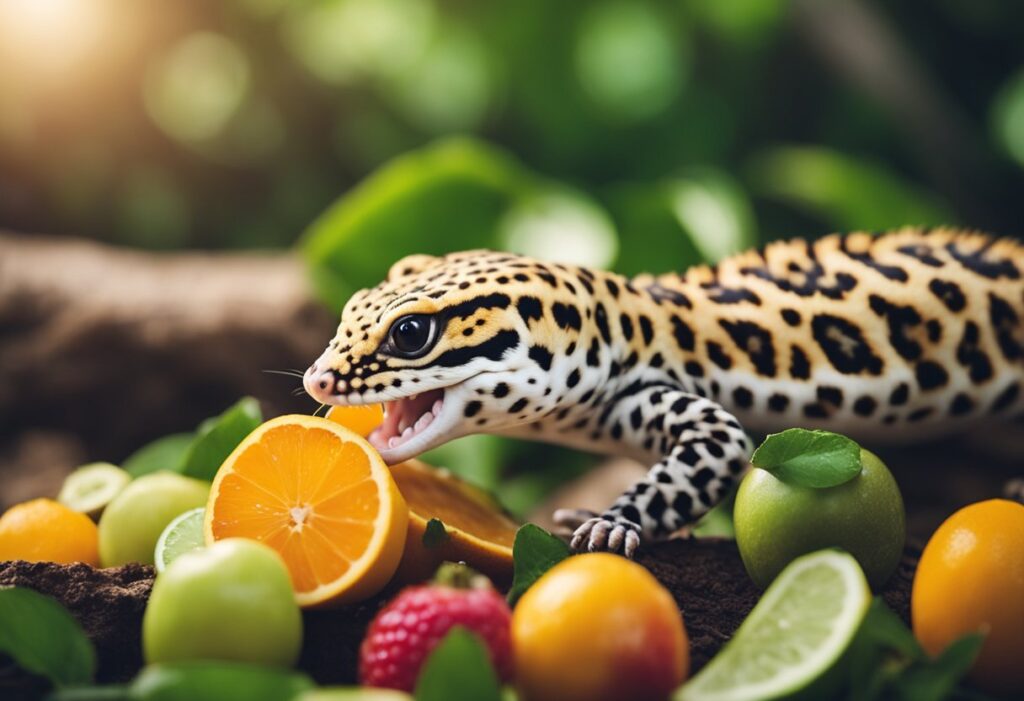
column 182, row 535
column 91, row 487
column 799, row 628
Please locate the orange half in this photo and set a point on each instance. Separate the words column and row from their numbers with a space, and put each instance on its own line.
column 319, row 495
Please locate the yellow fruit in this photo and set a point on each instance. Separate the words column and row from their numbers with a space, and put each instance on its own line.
column 43, row 530
column 971, row 579
column 478, row 532
column 598, row 627
column 319, row 495
column 360, row 419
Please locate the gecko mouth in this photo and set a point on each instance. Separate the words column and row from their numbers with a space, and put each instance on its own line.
column 407, row 419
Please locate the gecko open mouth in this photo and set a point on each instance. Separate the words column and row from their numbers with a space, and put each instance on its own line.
column 407, row 419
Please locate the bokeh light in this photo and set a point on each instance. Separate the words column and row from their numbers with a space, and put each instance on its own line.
column 562, row 227
column 450, row 87
column 714, row 211
column 629, row 59
column 341, row 41
column 196, row 88
column 49, row 38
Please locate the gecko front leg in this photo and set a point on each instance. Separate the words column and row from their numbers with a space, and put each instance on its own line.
column 703, row 450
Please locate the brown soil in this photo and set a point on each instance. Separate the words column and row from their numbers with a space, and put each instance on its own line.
column 706, row 578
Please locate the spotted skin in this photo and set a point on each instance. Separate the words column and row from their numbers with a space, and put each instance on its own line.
column 887, row 338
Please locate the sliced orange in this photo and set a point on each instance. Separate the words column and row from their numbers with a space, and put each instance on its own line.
column 477, row 531
column 321, row 496
column 361, row 419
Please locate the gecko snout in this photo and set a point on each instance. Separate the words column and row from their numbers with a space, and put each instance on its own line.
column 322, row 385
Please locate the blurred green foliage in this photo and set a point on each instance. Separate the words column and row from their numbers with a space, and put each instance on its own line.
column 644, row 135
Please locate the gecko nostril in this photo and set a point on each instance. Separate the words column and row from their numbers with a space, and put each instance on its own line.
column 323, row 384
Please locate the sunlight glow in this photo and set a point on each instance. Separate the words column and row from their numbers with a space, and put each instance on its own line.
column 50, row 36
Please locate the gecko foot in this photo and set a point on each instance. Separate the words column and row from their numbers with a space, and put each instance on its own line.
column 607, row 534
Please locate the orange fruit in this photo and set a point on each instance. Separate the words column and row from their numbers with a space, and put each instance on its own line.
column 319, row 495
column 477, row 531
column 43, row 530
column 609, row 612
column 361, row 419
column 971, row 579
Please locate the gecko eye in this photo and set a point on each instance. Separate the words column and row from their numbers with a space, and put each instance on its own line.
column 412, row 335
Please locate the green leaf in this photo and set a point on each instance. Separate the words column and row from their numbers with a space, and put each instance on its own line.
column 167, row 453
column 435, row 533
column 816, row 459
column 936, row 679
column 534, row 552
column 217, row 681
column 459, row 669
column 217, row 438
column 849, row 193
column 44, row 639
column 445, row 197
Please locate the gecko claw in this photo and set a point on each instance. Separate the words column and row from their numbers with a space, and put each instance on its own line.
column 603, row 534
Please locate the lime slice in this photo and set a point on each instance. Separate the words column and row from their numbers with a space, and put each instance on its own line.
column 91, row 487
column 182, row 535
column 798, row 629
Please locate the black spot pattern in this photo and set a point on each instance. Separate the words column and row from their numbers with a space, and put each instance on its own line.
column 922, row 253
column 976, row 262
column 949, row 293
column 900, row 395
column 627, row 326
column 682, row 333
column 1005, row 323
column 844, row 345
column 500, row 390
column 799, row 366
column 601, row 319
column 541, row 356
column 529, row 308
column 742, row 397
column 899, row 319
column 718, row 356
column 865, row 406
column 962, row 404
column 970, row 356
column 930, row 375
column 756, row 342
column 646, row 329
column 566, row 316
column 472, row 408
column 778, row 402
column 1007, row 397
column 791, row 317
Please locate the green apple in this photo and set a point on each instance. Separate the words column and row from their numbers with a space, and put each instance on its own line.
column 132, row 523
column 776, row 522
column 232, row 601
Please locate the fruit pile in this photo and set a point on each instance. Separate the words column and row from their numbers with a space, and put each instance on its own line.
column 248, row 522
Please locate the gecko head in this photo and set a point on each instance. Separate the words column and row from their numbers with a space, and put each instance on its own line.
column 439, row 343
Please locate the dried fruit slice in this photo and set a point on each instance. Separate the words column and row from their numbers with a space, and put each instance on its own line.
column 476, row 530
column 319, row 495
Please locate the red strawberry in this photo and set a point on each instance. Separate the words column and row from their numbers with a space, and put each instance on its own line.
column 404, row 633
